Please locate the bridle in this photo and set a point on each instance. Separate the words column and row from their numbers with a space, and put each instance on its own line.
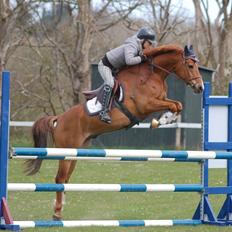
column 153, row 66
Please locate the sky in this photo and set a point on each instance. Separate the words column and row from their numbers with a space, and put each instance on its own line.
column 188, row 4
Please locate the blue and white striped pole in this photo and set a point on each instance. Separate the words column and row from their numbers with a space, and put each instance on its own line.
column 106, row 223
column 30, row 187
column 71, row 152
column 108, row 158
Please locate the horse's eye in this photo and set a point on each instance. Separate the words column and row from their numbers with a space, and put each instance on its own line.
column 190, row 66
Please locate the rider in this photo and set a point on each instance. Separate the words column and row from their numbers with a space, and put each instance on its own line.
column 129, row 53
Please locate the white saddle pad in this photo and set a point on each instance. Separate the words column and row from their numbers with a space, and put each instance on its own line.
column 94, row 106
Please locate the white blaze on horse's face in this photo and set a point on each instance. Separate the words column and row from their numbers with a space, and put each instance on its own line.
column 193, row 77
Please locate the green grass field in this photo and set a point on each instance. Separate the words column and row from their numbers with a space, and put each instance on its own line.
column 115, row 206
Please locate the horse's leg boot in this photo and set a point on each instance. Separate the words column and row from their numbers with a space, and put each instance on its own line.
column 104, row 116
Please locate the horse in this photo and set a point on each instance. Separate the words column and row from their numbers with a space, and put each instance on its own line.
column 145, row 92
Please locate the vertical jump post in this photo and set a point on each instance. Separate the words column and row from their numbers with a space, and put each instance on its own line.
column 6, row 221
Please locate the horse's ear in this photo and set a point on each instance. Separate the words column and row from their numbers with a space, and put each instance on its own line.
column 186, row 50
column 191, row 47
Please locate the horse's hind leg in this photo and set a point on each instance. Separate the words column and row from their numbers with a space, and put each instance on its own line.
column 66, row 168
column 71, row 169
column 61, row 177
column 73, row 163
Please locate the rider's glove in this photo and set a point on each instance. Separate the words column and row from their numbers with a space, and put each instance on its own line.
column 143, row 58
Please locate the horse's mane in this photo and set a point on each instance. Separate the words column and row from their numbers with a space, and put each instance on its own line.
column 160, row 50
column 163, row 49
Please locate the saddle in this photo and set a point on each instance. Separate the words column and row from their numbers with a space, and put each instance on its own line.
column 94, row 98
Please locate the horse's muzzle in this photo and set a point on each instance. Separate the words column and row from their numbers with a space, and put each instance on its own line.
column 197, row 87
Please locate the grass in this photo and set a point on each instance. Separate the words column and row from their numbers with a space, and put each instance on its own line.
column 114, row 206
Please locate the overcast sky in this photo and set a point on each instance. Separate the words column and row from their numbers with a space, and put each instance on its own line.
column 188, row 4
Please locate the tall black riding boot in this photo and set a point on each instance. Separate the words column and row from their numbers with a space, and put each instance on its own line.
column 104, row 116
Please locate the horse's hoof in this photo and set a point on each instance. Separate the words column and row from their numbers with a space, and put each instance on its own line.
column 56, row 217
column 154, row 123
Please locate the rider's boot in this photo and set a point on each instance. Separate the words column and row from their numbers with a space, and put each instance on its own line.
column 104, row 116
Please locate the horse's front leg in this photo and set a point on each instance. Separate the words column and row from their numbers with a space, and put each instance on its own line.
column 61, row 178
column 177, row 103
column 158, row 105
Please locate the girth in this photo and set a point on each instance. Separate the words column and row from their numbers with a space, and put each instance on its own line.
column 133, row 119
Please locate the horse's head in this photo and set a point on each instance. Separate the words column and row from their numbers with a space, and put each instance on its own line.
column 188, row 70
column 182, row 62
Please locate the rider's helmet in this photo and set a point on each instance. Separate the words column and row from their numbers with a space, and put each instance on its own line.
column 146, row 33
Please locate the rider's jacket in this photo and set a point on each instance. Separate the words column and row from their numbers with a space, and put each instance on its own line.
column 126, row 54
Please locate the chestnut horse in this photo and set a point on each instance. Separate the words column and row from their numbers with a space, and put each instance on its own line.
column 145, row 92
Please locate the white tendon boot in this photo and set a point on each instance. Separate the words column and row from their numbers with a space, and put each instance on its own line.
column 166, row 118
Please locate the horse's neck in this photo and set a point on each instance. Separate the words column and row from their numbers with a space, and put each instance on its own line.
column 167, row 62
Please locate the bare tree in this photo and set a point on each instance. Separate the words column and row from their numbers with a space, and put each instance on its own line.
column 80, row 61
column 215, row 34
column 167, row 18
column 60, row 40
column 10, row 37
column 89, row 22
column 224, row 28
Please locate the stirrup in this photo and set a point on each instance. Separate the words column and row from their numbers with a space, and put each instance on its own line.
column 105, row 117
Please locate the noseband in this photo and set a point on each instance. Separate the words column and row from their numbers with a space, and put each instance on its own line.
column 153, row 66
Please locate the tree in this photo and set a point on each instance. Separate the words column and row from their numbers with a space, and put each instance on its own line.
column 215, row 34
column 10, row 36
column 89, row 22
column 66, row 72
column 168, row 19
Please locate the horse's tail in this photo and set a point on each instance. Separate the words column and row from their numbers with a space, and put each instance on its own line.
column 40, row 131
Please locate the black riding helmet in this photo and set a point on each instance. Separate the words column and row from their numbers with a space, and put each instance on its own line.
column 146, row 34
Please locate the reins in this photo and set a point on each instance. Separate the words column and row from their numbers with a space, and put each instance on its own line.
column 153, row 65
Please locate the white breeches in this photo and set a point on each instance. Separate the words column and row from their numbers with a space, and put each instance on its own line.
column 106, row 74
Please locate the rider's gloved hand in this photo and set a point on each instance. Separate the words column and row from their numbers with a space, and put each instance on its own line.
column 143, row 58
